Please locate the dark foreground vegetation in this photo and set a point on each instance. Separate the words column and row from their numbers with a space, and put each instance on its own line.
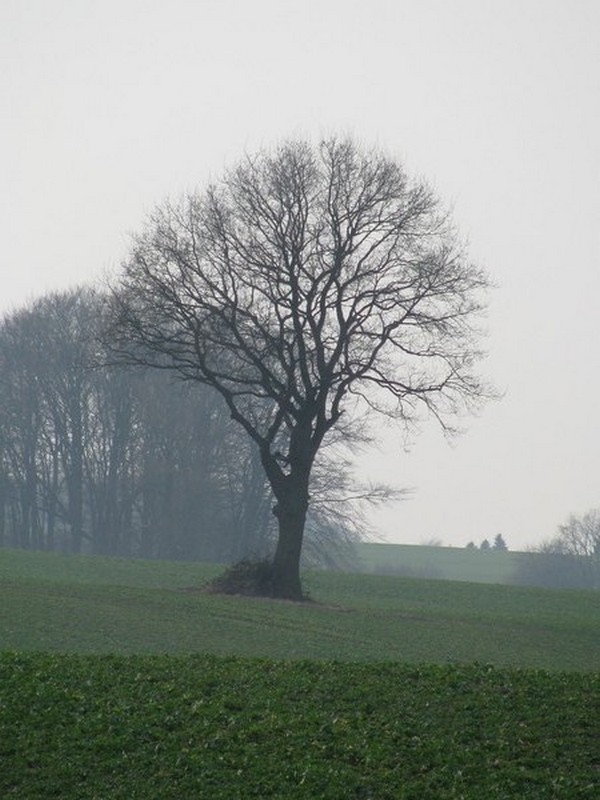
column 204, row 727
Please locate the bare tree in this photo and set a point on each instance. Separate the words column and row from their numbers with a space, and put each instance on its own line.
column 22, row 414
column 45, row 395
column 578, row 543
column 306, row 285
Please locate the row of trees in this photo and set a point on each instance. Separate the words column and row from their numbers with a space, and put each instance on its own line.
column 498, row 544
column 309, row 286
column 572, row 557
column 98, row 458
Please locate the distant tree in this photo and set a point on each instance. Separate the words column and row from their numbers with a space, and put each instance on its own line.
column 432, row 542
column 580, row 535
column 485, row 545
column 470, row 546
column 308, row 284
column 50, row 405
column 499, row 543
column 64, row 327
column 577, row 547
column 21, row 424
column 107, row 460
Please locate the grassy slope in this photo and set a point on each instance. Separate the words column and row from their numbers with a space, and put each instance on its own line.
column 95, row 605
column 448, row 563
column 76, row 726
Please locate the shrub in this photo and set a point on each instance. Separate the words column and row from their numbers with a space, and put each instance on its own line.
column 249, row 577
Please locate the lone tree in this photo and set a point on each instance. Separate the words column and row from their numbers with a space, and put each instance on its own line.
column 499, row 543
column 309, row 283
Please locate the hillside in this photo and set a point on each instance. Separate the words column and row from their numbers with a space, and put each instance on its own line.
column 470, row 564
column 447, row 563
column 68, row 604
column 123, row 680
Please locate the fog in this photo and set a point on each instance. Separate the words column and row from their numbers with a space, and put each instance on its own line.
column 108, row 108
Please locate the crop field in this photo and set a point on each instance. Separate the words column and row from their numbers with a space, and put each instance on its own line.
column 204, row 727
column 123, row 679
column 448, row 563
column 68, row 604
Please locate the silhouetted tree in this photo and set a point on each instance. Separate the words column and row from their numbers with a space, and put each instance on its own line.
column 485, row 545
column 48, row 398
column 308, row 283
column 572, row 557
column 107, row 460
column 22, row 416
column 499, row 543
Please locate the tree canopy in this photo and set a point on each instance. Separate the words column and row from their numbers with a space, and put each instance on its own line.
column 308, row 283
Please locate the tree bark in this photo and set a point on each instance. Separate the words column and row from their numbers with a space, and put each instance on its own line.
column 291, row 508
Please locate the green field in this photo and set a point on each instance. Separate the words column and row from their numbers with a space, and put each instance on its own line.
column 447, row 563
column 122, row 679
column 443, row 563
column 71, row 604
column 78, row 727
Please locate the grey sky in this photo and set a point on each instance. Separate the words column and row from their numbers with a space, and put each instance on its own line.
column 108, row 107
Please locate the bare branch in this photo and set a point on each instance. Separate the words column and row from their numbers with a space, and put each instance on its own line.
column 306, row 279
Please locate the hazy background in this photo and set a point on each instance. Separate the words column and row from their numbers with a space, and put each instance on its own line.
column 108, row 107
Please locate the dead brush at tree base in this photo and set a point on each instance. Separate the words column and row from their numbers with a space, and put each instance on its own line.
column 249, row 578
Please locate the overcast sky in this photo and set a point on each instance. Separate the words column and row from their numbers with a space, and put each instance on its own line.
column 108, row 107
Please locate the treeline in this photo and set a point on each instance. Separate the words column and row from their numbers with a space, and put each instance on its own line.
column 100, row 459
column 572, row 557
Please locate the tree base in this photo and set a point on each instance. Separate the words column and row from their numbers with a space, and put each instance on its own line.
column 254, row 579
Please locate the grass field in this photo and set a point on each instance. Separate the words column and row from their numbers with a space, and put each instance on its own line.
column 119, row 679
column 69, row 604
column 447, row 563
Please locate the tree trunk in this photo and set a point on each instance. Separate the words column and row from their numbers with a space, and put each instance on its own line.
column 290, row 511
